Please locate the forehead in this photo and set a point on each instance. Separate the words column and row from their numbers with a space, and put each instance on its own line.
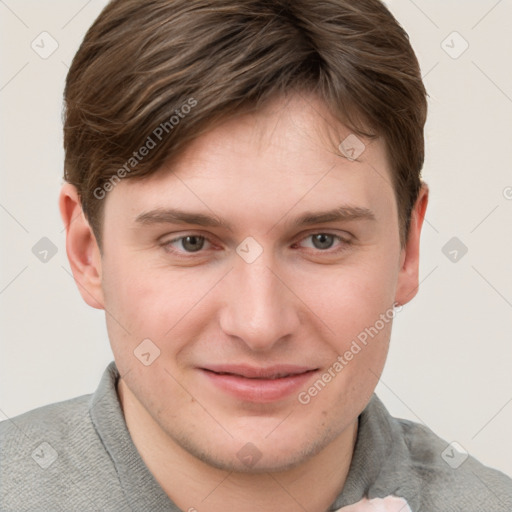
column 298, row 126
column 290, row 155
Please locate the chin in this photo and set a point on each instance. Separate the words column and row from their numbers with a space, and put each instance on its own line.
column 270, row 455
column 264, row 465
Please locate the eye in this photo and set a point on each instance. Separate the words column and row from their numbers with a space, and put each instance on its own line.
column 325, row 241
column 187, row 244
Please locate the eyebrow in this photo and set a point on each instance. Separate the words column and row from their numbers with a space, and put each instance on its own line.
column 175, row 216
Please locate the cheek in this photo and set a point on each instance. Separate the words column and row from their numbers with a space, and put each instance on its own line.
column 156, row 303
column 351, row 298
column 131, row 304
column 143, row 296
column 355, row 302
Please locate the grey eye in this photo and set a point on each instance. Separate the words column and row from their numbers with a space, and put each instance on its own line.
column 192, row 243
column 322, row 241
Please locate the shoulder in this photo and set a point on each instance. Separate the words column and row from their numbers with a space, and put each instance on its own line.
column 46, row 455
column 407, row 459
column 54, row 421
column 449, row 478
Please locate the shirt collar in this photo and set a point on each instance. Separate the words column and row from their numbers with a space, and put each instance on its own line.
column 141, row 489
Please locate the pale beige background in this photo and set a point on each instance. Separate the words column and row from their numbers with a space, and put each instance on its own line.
column 450, row 364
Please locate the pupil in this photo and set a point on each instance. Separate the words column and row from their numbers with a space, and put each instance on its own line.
column 193, row 243
column 322, row 241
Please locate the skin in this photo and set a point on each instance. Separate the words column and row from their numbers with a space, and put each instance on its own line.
column 297, row 303
column 388, row 504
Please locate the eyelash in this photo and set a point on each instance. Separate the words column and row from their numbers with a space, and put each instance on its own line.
column 345, row 244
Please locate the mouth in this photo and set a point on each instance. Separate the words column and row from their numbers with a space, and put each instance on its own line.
column 256, row 384
column 267, row 377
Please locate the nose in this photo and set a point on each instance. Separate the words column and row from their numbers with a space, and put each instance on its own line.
column 259, row 308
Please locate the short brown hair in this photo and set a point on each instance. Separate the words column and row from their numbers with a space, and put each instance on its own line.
column 184, row 65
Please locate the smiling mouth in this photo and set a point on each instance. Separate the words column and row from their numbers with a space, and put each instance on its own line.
column 259, row 385
column 274, row 376
column 274, row 372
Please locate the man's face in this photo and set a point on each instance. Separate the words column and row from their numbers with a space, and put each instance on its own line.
column 250, row 313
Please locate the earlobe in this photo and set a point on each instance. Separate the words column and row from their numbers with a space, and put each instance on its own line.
column 81, row 247
column 408, row 281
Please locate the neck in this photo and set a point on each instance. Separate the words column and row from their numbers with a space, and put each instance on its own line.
column 194, row 485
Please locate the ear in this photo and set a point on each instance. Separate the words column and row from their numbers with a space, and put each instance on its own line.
column 408, row 282
column 82, row 249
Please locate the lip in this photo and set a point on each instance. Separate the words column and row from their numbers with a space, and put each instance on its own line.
column 256, row 384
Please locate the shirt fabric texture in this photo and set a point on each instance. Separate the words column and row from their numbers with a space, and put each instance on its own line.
column 78, row 455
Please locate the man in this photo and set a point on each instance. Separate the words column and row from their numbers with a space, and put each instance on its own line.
column 243, row 199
